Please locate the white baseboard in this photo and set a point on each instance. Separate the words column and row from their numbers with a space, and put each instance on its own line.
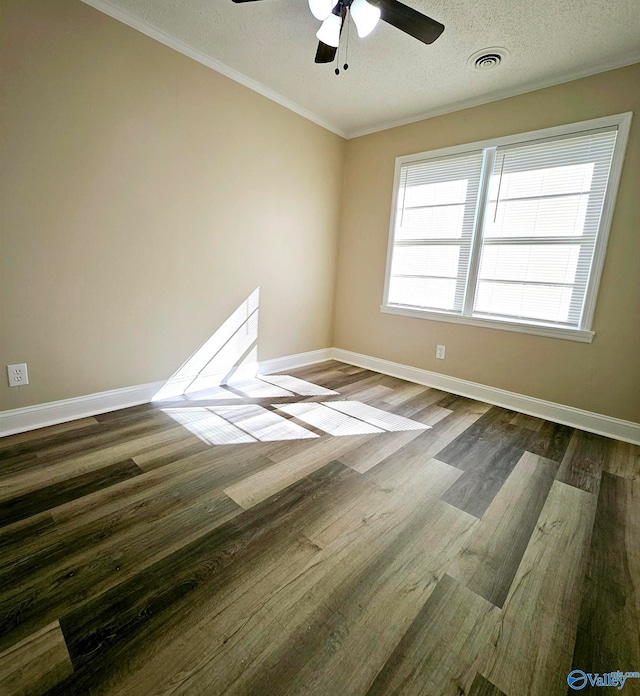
column 20, row 420
column 290, row 362
column 558, row 413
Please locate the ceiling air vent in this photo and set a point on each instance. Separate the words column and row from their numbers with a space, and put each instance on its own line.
column 488, row 61
column 487, row 58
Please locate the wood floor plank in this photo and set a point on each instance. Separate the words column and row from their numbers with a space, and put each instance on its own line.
column 551, row 441
column 10, row 466
column 609, row 629
column 405, row 393
column 216, row 467
column 489, row 561
column 103, row 435
column 316, row 368
column 531, row 649
column 479, row 442
column 475, row 490
column 584, row 461
column 411, row 459
column 624, row 461
column 439, row 652
column 190, row 505
column 346, row 384
column 182, row 647
column 367, row 505
column 86, row 463
column 339, row 618
column 483, row 687
column 255, row 584
column 35, row 664
column 49, row 497
column 374, row 392
column 429, row 397
column 348, row 369
column 160, row 456
column 276, row 478
column 42, row 433
column 191, row 453
column 150, row 599
column 88, row 524
column 104, row 555
column 363, row 610
column 431, row 415
column 127, row 414
column 455, row 402
column 319, row 370
column 40, row 447
column 374, row 451
column 529, row 422
column 22, row 539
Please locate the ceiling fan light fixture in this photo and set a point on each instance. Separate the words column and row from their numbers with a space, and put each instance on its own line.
column 321, row 9
column 329, row 32
column 365, row 17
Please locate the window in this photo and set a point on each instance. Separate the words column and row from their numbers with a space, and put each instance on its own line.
column 509, row 233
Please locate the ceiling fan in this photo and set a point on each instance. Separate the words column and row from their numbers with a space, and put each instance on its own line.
column 365, row 15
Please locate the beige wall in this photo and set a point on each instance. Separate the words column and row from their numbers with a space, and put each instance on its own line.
column 603, row 376
column 144, row 197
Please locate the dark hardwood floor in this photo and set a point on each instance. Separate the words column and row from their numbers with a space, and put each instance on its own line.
column 343, row 533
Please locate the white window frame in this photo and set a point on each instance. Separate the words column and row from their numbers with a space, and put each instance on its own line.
column 583, row 333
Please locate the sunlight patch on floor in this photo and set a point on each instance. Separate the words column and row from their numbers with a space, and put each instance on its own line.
column 375, row 416
column 349, row 418
column 298, row 386
column 263, row 424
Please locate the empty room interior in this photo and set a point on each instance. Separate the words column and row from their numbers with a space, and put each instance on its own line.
column 320, row 347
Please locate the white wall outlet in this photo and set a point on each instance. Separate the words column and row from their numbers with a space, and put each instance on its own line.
column 440, row 351
column 18, row 375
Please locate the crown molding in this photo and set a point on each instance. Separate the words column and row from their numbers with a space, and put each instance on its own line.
column 621, row 62
column 149, row 30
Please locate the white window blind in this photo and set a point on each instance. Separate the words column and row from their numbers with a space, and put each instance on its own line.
column 544, row 206
column 435, row 215
column 505, row 232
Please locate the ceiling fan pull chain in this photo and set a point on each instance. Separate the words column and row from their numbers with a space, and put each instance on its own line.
column 346, row 58
column 337, row 70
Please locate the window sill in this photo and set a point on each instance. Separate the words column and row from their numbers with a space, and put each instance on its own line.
column 549, row 331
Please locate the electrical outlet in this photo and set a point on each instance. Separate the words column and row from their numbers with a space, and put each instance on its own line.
column 440, row 351
column 18, row 375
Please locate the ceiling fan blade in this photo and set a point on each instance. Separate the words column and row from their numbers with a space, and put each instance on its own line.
column 410, row 21
column 325, row 54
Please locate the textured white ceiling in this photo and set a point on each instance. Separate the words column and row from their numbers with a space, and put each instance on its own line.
column 392, row 77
